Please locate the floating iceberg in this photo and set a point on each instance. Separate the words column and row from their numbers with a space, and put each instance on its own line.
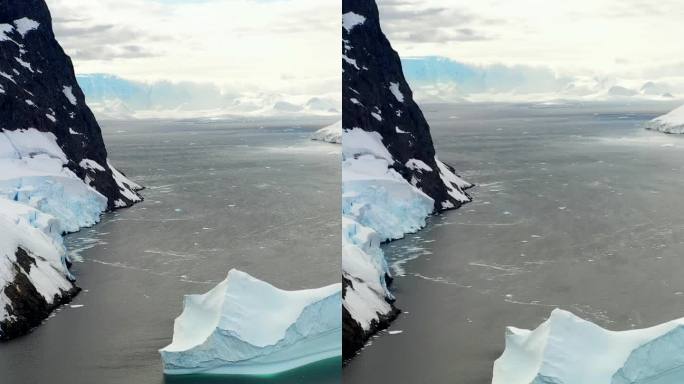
column 568, row 350
column 330, row 134
column 672, row 122
column 249, row 327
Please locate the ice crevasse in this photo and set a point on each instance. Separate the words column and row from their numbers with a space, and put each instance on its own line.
column 245, row 326
column 566, row 349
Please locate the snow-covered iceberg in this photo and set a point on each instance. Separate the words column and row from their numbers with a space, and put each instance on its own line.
column 330, row 134
column 671, row 122
column 247, row 326
column 568, row 350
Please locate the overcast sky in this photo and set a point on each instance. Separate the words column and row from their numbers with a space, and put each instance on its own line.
column 625, row 37
column 289, row 46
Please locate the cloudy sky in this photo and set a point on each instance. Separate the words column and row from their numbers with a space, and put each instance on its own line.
column 627, row 40
column 288, row 46
column 594, row 35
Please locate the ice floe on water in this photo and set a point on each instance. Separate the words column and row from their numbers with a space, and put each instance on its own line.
column 247, row 326
column 566, row 349
column 671, row 122
column 329, row 134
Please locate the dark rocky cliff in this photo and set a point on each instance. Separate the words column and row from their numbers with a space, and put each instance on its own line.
column 38, row 89
column 377, row 98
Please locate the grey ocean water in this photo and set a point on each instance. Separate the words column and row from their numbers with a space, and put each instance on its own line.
column 576, row 207
column 258, row 196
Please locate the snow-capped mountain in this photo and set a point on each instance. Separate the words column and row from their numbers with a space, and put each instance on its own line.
column 55, row 176
column 392, row 178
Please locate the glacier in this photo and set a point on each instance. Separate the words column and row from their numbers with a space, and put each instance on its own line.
column 566, row 349
column 40, row 200
column 330, row 134
column 378, row 205
column 671, row 122
column 249, row 327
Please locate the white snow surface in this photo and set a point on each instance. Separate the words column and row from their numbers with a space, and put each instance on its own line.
column 40, row 199
column 394, row 88
column 378, row 204
column 330, row 134
column 68, row 92
column 568, row 350
column 247, row 326
column 351, row 20
column 25, row 25
column 671, row 122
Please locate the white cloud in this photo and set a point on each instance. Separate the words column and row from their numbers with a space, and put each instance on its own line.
column 580, row 37
column 289, row 46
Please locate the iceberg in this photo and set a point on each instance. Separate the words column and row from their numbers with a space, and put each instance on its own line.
column 246, row 326
column 566, row 349
column 330, row 134
column 671, row 122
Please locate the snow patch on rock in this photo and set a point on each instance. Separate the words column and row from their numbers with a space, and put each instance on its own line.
column 351, row 20
column 26, row 25
column 68, row 92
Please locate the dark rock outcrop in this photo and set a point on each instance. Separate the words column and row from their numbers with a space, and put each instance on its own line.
column 38, row 89
column 377, row 98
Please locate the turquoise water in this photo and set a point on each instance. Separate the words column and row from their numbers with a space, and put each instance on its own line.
column 323, row 372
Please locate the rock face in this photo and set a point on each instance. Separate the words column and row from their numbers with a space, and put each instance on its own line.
column 392, row 178
column 38, row 89
column 54, row 174
column 377, row 98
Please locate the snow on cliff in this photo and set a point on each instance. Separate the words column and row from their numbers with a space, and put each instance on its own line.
column 55, row 176
column 247, row 326
column 40, row 199
column 568, row 350
column 671, row 122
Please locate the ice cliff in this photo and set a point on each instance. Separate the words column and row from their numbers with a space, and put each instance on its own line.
column 54, row 174
column 391, row 177
column 671, row 122
column 247, row 326
column 568, row 350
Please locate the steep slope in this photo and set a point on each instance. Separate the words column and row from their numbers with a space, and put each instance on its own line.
column 54, row 174
column 38, row 89
column 391, row 177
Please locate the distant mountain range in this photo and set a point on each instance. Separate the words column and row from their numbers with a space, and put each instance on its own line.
column 440, row 79
column 111, row 96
